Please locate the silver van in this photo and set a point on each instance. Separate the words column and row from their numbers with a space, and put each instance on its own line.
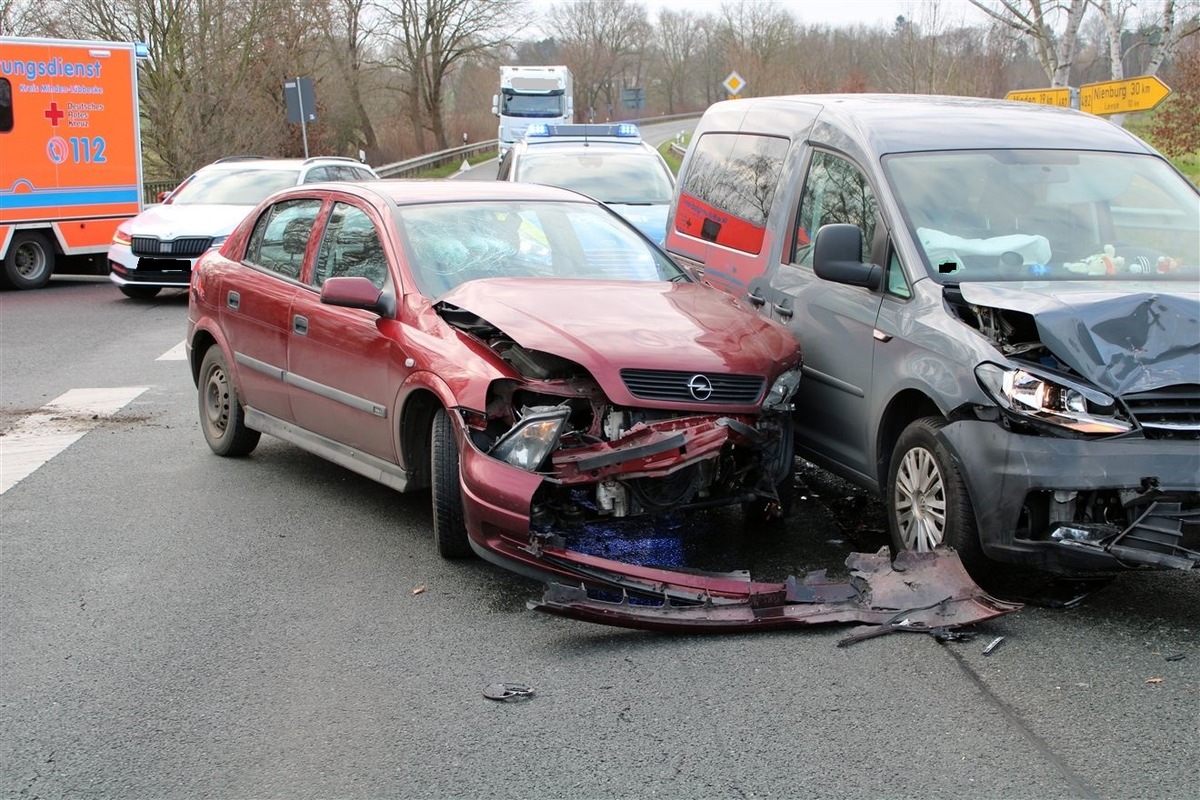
column 999, row 309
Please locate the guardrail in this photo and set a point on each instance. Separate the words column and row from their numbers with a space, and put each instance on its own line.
column 402, row 169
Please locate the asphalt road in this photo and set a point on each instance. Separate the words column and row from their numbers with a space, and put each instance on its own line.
column 177, row 625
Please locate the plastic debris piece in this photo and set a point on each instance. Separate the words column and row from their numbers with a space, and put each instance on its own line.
column 419, row 590
column 993, row 645
column 508, row 692
column 1176, row 657
column 950, row 635
column 1154, row 680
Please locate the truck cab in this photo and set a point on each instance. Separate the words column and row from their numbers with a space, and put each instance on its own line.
column 528, row 95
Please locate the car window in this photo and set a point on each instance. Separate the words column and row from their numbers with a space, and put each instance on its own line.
column 451, row 243
column 350, row 246
column 1047, row 214
column 728, row 187
column 633, row 177
column 350, row 173
column 318, row 174
column 240, row 187
column 835, row 191
column 280, row 236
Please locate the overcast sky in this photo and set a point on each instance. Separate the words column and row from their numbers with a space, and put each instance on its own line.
column 843, row 12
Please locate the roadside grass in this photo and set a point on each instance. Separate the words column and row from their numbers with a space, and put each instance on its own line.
column 673, row 161
column 447, row 170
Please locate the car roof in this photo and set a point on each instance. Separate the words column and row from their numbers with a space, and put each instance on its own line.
column 259, row 162
column 890, row 123
column 407, row 191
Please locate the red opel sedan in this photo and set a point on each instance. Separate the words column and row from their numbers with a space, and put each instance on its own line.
column 520, row 350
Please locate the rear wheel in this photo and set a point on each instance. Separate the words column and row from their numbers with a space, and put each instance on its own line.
column 222, row 418
column 29, row 262
column 927, row 501
column 140, row 292
column 449, row 528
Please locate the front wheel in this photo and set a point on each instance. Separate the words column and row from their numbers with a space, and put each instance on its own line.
column 927, row 501
column 29, row 263
column 140, row 292
column 222, row 418
column 449, row 528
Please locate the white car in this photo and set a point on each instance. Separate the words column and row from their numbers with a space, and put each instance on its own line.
column 157, row 249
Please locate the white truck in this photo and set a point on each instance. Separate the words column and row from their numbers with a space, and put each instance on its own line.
column 532, row 94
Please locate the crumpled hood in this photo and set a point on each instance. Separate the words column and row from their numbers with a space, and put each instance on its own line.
column 168, row 221
column 1124, row 337
column 606, row 326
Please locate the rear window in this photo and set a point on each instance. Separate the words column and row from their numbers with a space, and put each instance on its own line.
column 728, row 188
column 243, row 187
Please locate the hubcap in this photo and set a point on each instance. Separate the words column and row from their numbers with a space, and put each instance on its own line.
column 30, row 261
column 920, row 501
column 216, row 401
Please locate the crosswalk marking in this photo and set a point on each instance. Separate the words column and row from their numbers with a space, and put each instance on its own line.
column 56, row 426
column 176, row 353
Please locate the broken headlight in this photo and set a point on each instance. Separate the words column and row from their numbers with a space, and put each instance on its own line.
column 779, row 398
column 530, row 441
column 1036, row 397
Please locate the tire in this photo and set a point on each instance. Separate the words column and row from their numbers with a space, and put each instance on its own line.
column 29, row 263
column 140, row 292
column 449, row 528
column 222, row 418
column 927, row 501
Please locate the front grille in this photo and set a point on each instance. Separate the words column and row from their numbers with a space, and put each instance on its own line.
column 653, row 384
column 1172, row 412
column 189, row 247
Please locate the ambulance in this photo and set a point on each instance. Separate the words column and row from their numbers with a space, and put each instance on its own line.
column 70, row 153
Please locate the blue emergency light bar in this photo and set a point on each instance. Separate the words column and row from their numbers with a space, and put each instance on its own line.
column 625, row 131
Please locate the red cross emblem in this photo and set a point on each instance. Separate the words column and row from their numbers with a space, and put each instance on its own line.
column 54, row 115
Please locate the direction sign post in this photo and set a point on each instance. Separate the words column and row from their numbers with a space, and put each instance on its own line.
column 1045, row 97
column 1119, row 97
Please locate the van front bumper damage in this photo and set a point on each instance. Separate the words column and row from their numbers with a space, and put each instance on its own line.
column 1081, row 505
column 920, row 592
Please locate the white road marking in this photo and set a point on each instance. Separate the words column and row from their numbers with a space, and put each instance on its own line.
column 56, row 426
column 176, row 353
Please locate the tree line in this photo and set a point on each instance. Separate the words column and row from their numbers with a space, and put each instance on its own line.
column 398, row 78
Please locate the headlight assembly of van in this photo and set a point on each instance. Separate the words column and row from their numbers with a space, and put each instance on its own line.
column 1040, row 398
column 779, row 398
column 530, row 441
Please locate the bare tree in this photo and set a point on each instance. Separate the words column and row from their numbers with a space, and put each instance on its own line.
column 1035, row 20
column 677, row 40
column 760, row 38
column 432, row 37
column 600, row 40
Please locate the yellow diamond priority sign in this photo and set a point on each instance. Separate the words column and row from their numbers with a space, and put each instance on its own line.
column 734, row 83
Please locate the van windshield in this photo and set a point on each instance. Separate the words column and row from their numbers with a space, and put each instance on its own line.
column 1048, row 214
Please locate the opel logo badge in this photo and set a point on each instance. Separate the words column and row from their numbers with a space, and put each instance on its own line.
column 166, row 247
column 700, row 387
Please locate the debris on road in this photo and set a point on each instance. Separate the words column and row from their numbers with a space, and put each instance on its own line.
column 987, row 651
column 508, row 692
column 919, row 592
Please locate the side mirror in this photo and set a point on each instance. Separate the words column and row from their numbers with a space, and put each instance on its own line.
column 358, row 292
column 837, row 257
column 496, row 104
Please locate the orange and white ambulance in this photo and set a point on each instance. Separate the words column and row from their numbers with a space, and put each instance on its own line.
column 70, row 152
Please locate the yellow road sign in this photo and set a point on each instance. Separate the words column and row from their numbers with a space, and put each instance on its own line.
column 734, row 83
column 1118, row 97
column 1045, row 97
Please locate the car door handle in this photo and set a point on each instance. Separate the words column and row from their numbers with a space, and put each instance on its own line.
column 300, row 325
column 783, row 311
column 756, row 300
column 233, row 300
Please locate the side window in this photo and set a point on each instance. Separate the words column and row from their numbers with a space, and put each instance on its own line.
column 835, row 191
column 6, row 106
column 280, row 237
column 896, row 283
column 726, row 194
column 350, row 246
column 318, row 174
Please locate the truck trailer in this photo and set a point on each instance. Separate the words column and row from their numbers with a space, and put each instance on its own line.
column 71, row 169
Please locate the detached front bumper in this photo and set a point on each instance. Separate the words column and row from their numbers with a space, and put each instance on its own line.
column 1006, row 471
